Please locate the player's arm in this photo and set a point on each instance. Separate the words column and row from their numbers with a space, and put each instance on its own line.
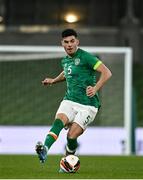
column 105, row 75
column 50, row 81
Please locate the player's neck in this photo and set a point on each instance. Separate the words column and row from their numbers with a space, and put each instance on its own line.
column 72, row 55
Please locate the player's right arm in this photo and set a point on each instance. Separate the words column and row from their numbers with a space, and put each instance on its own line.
column 50, row 81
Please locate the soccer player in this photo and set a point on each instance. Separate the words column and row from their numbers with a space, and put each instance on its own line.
column 81, row 102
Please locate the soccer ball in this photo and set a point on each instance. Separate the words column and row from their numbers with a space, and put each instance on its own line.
column 70, row 164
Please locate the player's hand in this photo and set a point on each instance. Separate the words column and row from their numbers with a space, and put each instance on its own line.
column 48, row 81
column 90, row 91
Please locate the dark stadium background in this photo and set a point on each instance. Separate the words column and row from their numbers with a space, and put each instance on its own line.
column 102, row 23
column 25, row 104
column 116, row 23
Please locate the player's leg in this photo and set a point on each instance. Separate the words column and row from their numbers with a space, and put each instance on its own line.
column 74, row 132
column 58, row 125
column 85, row 116
column 62, row 119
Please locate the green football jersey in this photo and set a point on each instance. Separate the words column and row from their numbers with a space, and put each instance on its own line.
column 79, row 71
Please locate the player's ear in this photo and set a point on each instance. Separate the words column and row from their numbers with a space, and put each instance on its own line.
column 77, row 40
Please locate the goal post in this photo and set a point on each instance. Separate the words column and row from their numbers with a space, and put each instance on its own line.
column 56, row 51
column 128, row 120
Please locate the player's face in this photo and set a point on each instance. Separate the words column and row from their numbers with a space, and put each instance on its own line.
column 70, row 44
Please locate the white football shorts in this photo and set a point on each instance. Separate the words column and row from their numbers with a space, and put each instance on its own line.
column 79, row 113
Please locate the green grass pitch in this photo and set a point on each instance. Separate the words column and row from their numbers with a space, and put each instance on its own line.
column 92, row 167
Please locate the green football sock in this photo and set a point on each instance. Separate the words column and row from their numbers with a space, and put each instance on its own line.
column 54, row 133
column 72, row 144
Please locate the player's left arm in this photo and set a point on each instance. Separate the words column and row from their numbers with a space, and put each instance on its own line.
column 105, row 75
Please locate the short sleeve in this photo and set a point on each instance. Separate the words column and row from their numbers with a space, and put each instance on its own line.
column 93, row 61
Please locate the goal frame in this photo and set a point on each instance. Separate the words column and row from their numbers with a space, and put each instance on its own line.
column 128, row 120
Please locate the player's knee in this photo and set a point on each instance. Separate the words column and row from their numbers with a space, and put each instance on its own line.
column 62, row 117
column 75, row 131
column 72, row 134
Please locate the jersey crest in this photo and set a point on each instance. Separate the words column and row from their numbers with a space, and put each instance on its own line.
column 77, row 61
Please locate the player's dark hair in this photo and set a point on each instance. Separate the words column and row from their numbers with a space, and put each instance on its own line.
column 69, row 32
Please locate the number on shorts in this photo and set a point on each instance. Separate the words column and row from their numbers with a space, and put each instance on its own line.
column 88, row 118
